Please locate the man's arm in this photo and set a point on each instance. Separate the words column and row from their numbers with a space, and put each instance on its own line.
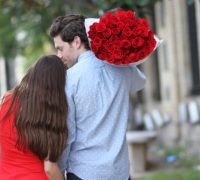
column 62, row 162
column 138, row 79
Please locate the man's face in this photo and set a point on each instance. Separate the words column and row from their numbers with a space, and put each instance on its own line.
column 66, row 51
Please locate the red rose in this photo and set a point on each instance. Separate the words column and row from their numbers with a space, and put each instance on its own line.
column 111, row 60
column 151, row 33
column 145, row 23
column 144, row 32
column 116, row 31
column 110, row 25
column 107, row 46
column 113, row 20
column 130, row 14
column 117, row 44
column 97, row 41
column 105, row 54
column 126, row 52
column 123, row 36
column 126, row 43
column 107, row 33
column 94, row 48
column 121, row 15
column 101, row 27
column 143, row 54
column 100, row 56
column 133, row 57
column 104, row 20
column 137, row 42
column 120, row 25
column 117, row 62
column 130, row 23
column 92, row 34
column 113, row 38
column 127, row 31
column 108, row 15
column 93, row 27
column 125, row 62
column 141, row 31
column 118, row 54
column 138, row 21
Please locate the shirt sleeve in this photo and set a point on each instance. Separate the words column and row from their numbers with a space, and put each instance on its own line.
column 71, row 125
column 138, row 79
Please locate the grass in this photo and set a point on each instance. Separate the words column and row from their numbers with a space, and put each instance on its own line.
column 183, row 168
column 178, row 174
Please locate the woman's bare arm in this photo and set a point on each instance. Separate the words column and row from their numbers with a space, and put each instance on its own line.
column 52, row 171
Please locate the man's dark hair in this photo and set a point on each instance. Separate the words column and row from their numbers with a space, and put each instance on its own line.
column 68, row 27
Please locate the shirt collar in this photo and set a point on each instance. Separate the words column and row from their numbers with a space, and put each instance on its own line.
column 85, row 55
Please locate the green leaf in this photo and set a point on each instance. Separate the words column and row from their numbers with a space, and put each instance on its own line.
column 130, row 2
column 143, row 2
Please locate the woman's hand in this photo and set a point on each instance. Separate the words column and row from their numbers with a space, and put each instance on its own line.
column 52, row 171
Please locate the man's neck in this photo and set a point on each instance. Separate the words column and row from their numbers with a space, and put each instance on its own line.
column 82, row 50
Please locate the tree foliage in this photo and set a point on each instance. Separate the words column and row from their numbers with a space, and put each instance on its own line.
column 24, row 28
column 139, row 6
column 24, row 23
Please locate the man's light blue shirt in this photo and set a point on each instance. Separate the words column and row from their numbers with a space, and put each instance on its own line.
column 98, row 98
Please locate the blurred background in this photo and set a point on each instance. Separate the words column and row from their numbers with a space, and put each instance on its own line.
column 164, row 121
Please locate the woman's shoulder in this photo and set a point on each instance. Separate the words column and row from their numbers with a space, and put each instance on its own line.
column 6, row 98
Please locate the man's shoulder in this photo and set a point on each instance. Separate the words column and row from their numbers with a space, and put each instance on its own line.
column 84, row 67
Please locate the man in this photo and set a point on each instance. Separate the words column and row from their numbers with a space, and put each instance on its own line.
column 98, row 97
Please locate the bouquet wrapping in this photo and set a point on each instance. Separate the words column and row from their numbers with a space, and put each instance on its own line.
column 121, row 38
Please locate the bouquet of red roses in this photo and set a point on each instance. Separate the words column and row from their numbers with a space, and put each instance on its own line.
column 121, row 38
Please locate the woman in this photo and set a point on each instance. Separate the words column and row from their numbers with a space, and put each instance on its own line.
column 33, row 128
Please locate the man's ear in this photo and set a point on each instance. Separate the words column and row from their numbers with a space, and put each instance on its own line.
column 77, row 42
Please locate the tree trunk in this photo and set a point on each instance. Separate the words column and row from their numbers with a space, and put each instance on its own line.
column 10, row 74
column 8, row 86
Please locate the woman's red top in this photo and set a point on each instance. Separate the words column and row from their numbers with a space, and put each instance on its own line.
column 16, row 164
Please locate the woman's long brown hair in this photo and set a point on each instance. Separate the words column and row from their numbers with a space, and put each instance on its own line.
column 41, row 110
